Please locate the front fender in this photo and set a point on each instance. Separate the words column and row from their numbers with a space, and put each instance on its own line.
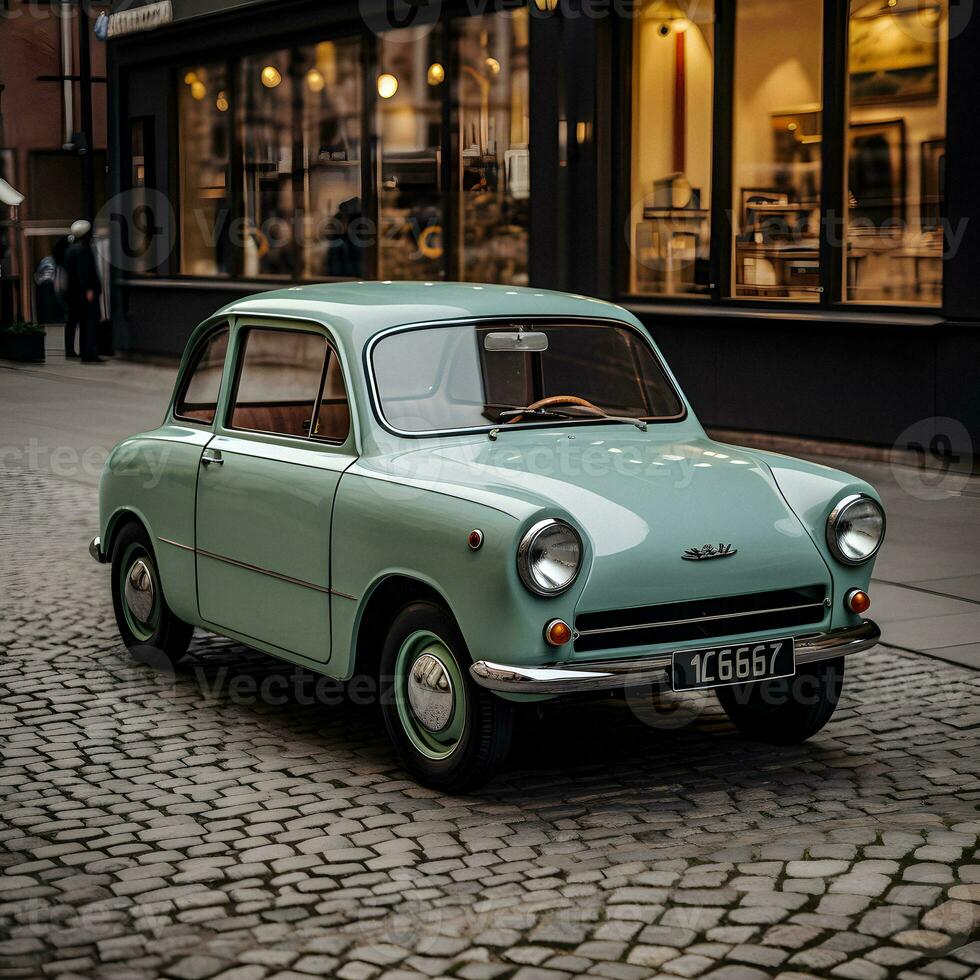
column 812, row 491
column 383, row 528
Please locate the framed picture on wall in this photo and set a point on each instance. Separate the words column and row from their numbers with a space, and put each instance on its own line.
column 876, row 171
column 893, row 52
column 933, row 181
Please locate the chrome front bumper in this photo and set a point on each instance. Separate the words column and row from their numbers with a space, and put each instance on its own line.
column 95, row 550
column 603, row 675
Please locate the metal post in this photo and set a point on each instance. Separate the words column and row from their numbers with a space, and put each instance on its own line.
column 85, row 104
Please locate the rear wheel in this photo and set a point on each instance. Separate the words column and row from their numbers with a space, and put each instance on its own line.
column 450, row 733
column 146, row 623
column 788, row 710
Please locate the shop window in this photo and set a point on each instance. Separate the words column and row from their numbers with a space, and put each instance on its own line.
column 673, row 58
column 411, row 85
column 896, row 151
column 205, row 203
column 777, row 150
column 494, row 120
column 271, row 127
column 335, row 232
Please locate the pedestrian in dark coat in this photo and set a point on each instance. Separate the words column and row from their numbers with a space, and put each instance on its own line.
column 83, row 294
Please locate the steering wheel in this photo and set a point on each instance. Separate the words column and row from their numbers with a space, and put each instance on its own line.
column 557, row 400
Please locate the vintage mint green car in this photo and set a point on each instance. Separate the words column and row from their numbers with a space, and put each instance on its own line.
column 478, row 496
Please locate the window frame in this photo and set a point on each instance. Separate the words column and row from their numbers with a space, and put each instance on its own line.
column 193, row 362
column 331, row 350
column 445, row 20
column 374, row 395
column 833, row 178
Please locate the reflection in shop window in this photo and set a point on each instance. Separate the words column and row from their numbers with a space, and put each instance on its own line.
column 301, row 142
column 896, row 151
column 673, row 54
column 777, row 150
column 205, row 209
column 494, row 121
column 411, row 82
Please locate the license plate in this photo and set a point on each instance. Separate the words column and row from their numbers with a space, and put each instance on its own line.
column 743, row 663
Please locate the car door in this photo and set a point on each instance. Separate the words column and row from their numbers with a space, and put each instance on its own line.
column 266, row 488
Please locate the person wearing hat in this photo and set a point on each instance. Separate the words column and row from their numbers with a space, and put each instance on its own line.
column 83, row 293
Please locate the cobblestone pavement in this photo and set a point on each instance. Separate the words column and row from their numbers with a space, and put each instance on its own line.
column 225, row 821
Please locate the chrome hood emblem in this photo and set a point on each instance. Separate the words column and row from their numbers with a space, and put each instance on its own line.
column 709, row 551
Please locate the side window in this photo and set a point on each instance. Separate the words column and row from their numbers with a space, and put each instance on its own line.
column 333, row 417
column 198, row 400
column 279, row 376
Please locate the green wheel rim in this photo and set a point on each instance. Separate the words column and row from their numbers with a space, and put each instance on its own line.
column 433, row 745
column 143, row 629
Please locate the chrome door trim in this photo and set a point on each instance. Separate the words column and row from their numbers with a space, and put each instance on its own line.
column 258, row 568
column 176, row 544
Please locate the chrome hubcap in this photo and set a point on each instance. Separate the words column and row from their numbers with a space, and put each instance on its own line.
column 430, row 693
column 139, row 591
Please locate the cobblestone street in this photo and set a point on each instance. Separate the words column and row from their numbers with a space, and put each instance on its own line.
column 237, row 820
column 240, row 818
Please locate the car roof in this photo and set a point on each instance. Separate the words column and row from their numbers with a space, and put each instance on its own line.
column 357, row 311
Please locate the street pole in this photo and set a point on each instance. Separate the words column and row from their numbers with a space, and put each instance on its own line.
column 85, row 104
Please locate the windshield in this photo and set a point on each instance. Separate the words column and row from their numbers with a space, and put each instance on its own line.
column 439, row 378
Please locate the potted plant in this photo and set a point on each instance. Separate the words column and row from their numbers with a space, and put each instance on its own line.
column 22, row 341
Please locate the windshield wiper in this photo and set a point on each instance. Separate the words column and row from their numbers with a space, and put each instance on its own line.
column 551, row 413
column 566, row 416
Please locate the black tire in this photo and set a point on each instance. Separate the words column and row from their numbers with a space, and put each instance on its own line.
column 162, row 633
column 789, row 710
column 484, row 722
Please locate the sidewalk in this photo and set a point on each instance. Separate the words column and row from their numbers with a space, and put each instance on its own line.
column 62, row 417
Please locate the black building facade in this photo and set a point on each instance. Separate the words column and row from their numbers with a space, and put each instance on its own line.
column 783, row 191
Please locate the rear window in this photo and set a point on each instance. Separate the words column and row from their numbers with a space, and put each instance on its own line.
column 198, row 400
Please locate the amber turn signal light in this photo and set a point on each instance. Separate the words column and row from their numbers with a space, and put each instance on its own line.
column 857, row 601
column 557, row 633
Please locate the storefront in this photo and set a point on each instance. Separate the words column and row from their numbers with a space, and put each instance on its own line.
column 782, row 191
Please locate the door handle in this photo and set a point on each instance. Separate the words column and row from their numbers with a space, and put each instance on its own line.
column 210, row 456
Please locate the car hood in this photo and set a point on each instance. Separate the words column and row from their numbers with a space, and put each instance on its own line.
column 642, row 500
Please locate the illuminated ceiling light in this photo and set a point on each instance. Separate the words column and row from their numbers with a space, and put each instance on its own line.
column 436, row 74
column 270, row 76
column 198, row 91
column 190, row 78
column 493, row 65
column 387, row 85
column 315, row 80
column 546, row 4
column 222, row 102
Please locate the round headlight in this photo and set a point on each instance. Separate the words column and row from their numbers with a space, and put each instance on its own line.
column 549, row 557
column 855, row 529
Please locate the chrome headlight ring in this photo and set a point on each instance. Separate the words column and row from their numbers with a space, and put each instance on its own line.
column 549, row 557
column 855, row 529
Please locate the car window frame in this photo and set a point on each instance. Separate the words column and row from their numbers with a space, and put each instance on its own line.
column 193, row 361
column 237, row 351
column 510, row 322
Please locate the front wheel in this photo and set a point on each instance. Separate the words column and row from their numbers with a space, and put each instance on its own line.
column 146, row 623
column 450, row 733
column 788, row 710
